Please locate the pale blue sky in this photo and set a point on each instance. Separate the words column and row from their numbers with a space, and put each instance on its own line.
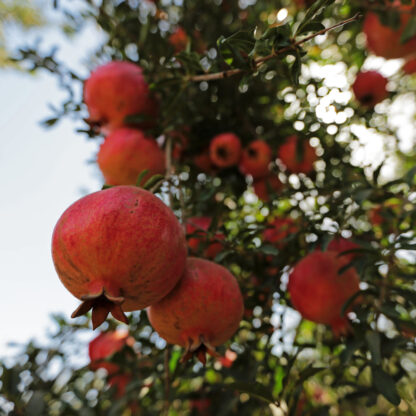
column 43, row 171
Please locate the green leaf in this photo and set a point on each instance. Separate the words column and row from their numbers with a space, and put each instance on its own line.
column 350, row 348
column 174, row 359
column 373, row 342
column 269, row 250
column 279, row 375
column 385, row 385
column 313, row 26
column 142, row 174
column 409, row 31
column 152, row 181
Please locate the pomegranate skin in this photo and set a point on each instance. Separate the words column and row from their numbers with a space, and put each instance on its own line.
column 119, row 249
column 199, row 226
column 288, row 155
column 279, row 229
column 225, row 150
column 340, row 245
column 385, row 41
column 106, row 344
column 319, row 292
column 410, row 66
column 203, row 311
column 125, row 153
column 370, row 88
column 115, row 90
column 255, row 159
column 264, row 187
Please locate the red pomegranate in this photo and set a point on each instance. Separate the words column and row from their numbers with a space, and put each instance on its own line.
column 225, row 150
column 410, row 66
column 255, row 159
column 179, row 39
column 203, row 311
column 198, row 226
column 203, row 162
column 115, row 91
column 294, row 160
column 125, row 153
column 370, row 88
column 201, row 406
column 341, row 245
column 318, row 291
column 120, row 249
column 278, row 230
column 265, row 187
column 383, row 40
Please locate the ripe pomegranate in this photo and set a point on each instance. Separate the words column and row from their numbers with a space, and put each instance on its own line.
column 255, row 159
column 370, row 88
column 385, row 41
column 178, row 39
column 279, row 229
column 225, row 150
column 120, row 249
column 101, row 348
column 204, row 163
column 341, row 245
column 200, row 226
column 265, row 187
column 115, row 91
column 125, row 153
column 410, row 66
column 293, row 160
column 319, row 292
column 203, row 311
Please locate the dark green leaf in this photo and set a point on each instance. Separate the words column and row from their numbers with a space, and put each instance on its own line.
column 385, row 385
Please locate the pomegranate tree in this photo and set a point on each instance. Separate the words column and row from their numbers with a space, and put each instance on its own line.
column 120, row 249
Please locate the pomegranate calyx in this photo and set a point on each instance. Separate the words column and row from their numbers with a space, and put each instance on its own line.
column 199, row 348
column 101, row 304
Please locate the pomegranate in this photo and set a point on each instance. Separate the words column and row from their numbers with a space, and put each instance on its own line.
column 200, row 226
column 104, row 346
column 385, row 41
column 410, row 66
column 203, row 162
column 203, row 311
column 179, row 39
column 255, row 159
column 265, row 187
column 278, row 230
column 120, row 249
column 115, row 91
column 125, row 153
column 294, row 161
column 318, row 291
column 225, row 150
column 370, row 88
column 341, row 245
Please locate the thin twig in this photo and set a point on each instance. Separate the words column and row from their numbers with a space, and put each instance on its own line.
column 259, row 61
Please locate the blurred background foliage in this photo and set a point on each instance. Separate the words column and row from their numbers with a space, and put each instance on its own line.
column 366, row 159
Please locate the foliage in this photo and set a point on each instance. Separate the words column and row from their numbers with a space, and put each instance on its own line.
column 271, row 85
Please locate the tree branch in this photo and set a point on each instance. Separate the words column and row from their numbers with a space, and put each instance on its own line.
column 259, row 61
